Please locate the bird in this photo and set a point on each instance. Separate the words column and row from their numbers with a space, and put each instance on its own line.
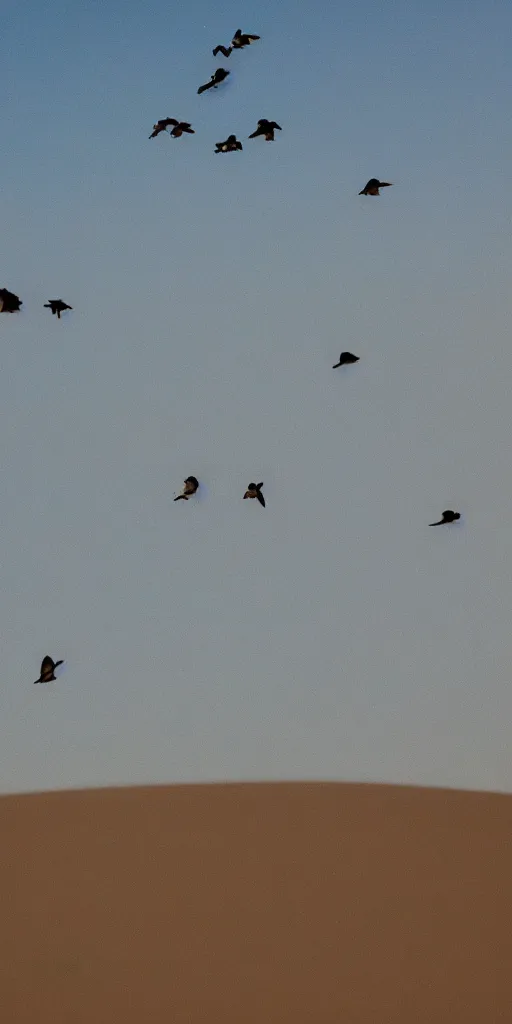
column 239, row 40
column 179, row 127
column 57, row 306
column 266, row 128
column 254, row 491
column 9, row 302
column 447, row 517
column 48, row 666
column 372, row 187
column 218, row 76
column 346, row 357
column 230, row 145
column 190, row 487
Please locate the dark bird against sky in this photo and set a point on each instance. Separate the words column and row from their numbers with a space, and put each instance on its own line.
column 346, row 357
column 218, row 76
column 372, row 187
column 9, row 302
column 266, row 128
column 190, row 487
column 57, row 306
column 447, row 517
column 230, row 145
column 177, row 131
column 48, row 666
column 239, row 40
column 254, row 491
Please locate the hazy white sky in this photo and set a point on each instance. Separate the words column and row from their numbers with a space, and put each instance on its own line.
column 333, row 634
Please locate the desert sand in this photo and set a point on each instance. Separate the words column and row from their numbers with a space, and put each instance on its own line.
column 256, row 904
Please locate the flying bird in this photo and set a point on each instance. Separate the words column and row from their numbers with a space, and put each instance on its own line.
column 230, row 145
column 48, row 666
column 447, row 517
column 57, row 306
column 346, row 357
column 254, row 491
column 239, row 40
column 179, row 127
column 266, row 128
column 372, row 187
column 9, row 302
column 190, row 487
column 218, row 76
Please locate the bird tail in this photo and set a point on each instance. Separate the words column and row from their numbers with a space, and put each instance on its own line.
column 181, row 497
column 335, row 367
column 440, row 523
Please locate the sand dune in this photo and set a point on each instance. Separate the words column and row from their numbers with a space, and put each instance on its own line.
column 256, row 904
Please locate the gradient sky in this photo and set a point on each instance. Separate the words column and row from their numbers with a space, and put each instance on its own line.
column 332, row 635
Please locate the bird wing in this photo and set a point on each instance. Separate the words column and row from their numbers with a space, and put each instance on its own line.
column 259, row 485
column 260, row 498
column 252, row 38
column 47, row 667
column 273, row 124
column 203, row 88
column 237, row 34
column 259, row 131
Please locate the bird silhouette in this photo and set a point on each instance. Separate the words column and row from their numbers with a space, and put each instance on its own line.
column 447, row 517
column 266, row 128
column 230, row 145
column 179, row 127
column 190, row 487
column 57, row 306
column 48, row 666
column 9, row 302
column 254, row 491
column 346, row 357
column 372, row 187
column 239, row 40
column 218, row 76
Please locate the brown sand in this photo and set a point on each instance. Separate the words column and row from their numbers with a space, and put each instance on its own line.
column 256, row 904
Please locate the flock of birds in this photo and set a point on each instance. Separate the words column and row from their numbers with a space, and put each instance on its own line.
column 11, row 303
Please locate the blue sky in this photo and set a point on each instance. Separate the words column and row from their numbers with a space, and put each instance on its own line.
column 332, row 635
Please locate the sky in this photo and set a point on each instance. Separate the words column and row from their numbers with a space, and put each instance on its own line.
column 332, row 635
